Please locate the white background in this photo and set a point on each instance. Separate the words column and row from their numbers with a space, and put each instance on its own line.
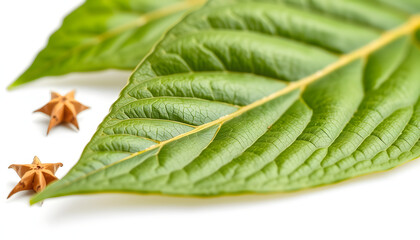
column 379, row 206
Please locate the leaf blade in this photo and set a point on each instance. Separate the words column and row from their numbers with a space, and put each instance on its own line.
column 104, row 34
column 328, row 126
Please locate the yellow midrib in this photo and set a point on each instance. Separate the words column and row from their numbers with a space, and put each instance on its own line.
column 386, row 38
column 147, row 17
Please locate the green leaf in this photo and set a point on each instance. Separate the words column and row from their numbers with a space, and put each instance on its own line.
column 104, row 34
column 250, row 96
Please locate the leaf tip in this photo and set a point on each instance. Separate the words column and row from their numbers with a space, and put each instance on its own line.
column 22, row 79
column 19, row 81
column 41, row 196
column 12, row 86
column 36, row 199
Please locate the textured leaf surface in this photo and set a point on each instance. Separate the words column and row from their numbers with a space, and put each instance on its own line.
column 262, row 96
column 103, row 34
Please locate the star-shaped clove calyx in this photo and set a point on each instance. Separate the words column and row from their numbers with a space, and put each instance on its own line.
column 62, row 109
column 35, row 176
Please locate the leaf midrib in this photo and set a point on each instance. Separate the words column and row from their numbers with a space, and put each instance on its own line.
column 387, row 37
